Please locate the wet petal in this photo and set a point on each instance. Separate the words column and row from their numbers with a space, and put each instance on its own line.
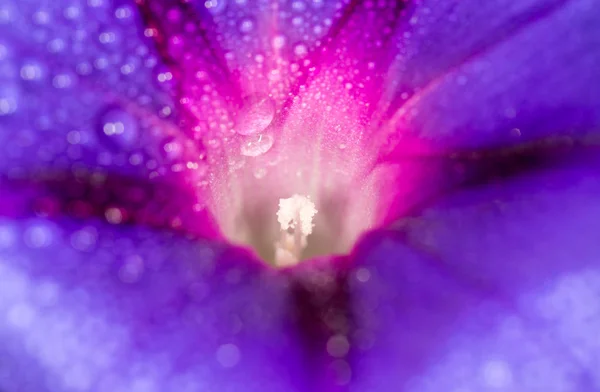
column 502, row 77
column 98, row 307
column 83, row 78
column 490, row 288
column 260, row 47
column 83, row 96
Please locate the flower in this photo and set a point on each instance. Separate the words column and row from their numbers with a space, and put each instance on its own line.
column 447, row 148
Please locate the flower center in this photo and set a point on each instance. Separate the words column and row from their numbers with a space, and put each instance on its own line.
column 296, row 184
column 295, row 218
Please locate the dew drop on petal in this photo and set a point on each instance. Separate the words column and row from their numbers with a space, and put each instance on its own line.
column 84, row 239
column 132, row 269
column 278, row 42
column 260, row 172
column 32, row 71
column 21, row 315
column 171, row 148
column 215, row 6
column 7, row 13
column 228, row 355
column 300, row 50
column 246, row 26
column 298, row 6
column 9, row 99
column 338, row 346
column 256, row 145
column 497, row 374
column 38, row 236
column 119, row 127
column 63, row 80
column 255, row 117
column 114, row 215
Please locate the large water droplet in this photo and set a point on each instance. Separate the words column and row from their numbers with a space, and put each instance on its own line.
column 119, row 127
column 255, row 116
column 256, row 145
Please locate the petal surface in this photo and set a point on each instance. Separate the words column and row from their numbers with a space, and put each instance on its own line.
column 82, row 85
column 84, row 100
column 470, row 76
column 490, row 288
column 98, row 307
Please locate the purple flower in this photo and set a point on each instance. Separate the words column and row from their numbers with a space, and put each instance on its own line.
column 433, row 162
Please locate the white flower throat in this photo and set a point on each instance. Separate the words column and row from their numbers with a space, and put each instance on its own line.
column 295, row 217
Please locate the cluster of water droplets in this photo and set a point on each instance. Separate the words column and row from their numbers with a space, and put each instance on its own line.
column 81, row 84
column 252, row 123
column 88, row 117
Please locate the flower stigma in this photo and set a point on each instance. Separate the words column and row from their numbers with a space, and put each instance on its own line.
column 295, row 217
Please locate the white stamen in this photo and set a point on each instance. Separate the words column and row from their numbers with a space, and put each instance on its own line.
column 295, row 217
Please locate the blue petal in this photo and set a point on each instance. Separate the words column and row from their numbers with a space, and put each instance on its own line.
column 503, row 73
column 491, row 288
column 86, row 103
column 82, row 88
column 97, row 307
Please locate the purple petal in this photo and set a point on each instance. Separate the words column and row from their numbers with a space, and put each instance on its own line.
column 498, row 74
column 491, row 288
column 264, row 47
column 83, row 83
column 85, row 104
column 115, row 308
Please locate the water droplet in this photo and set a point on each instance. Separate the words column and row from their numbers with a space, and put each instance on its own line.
column 255, row 116
column 9, row 99
column 298, row 6
column 119, row 127
column 123, row 12
column 260, row 173
column 338, row 346
column 228, row 355
column 21, row 315
column 215, row 6
column 131, row 271
column 84, row 239
column 108, row 37
column 246, row 26
column 300, row 50
column 363, row 275
column 63, row 80
column 114, row 215
column 256, row 145
column 278, row 42
column 56, row 45
column 72, row 12
column 7, row 13
column 32, row 70
column 39, row 236
column 497, row 374
column 297, row 21
column 172, row 148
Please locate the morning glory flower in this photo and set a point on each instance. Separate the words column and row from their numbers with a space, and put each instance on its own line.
column 299, row 195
